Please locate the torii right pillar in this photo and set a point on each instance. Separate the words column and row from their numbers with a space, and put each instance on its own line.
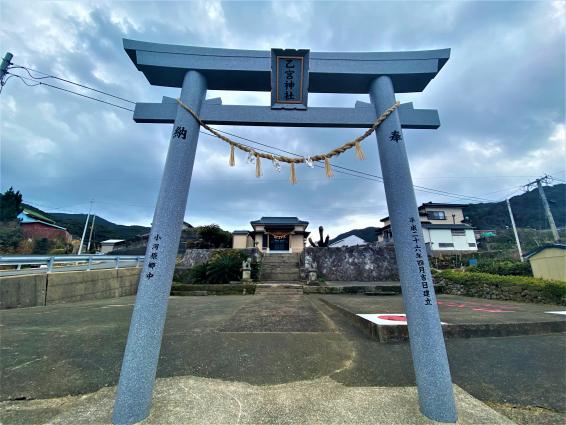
column 430, row 361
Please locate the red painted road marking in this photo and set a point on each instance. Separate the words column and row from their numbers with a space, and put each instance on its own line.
column 395, row 318
column 493, row 310
column 485, row 308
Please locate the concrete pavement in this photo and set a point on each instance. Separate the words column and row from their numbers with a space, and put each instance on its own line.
column 266, row 342
column 193, row 400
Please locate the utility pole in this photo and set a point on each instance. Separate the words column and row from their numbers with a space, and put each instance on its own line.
column 90, row 235
column 515, row 230
column 84, row 230
column 547, row 211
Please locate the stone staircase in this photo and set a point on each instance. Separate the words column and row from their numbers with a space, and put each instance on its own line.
column 278, row 289
column 280, row 275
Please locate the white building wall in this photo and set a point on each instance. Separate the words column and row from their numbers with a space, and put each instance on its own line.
column 471, row 239
column 460, row 242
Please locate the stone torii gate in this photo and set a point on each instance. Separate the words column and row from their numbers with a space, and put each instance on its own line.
column 197, row 69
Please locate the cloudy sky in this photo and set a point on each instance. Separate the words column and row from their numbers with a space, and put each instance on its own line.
column 501, row 99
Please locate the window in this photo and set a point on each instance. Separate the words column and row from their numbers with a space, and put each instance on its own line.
column 445, row 245
column 436, row 215
column 458, row 232
column 472, row 245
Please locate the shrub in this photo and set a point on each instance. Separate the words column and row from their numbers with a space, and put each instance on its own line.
column 550, row 291
column 43, row 246
column 232, row 253
column 182, row 275
column 504, row 268
column 224, row 269
column 199, row 273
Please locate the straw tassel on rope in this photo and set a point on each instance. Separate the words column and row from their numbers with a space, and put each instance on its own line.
column 359, row 152
column 232, row 160
column 328, row 168
column 257, row 165
column 293, row 174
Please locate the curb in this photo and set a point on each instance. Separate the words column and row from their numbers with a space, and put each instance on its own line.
column 400, row 333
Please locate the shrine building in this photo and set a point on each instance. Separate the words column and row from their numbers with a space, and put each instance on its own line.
column 273, row 235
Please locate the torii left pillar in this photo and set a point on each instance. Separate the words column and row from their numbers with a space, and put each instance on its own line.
column 139, row 366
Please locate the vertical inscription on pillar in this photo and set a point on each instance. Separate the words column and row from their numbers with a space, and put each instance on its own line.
column 153, row 257
column 420, row 261
column 289, row 79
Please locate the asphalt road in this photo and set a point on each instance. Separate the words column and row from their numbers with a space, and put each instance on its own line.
column 77, row 348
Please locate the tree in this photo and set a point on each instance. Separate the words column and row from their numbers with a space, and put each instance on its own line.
column 10, row 205
column 213, row 236
column 10, row 236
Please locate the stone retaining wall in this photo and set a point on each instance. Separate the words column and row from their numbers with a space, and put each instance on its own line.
column 192, row 257
column 363, row 263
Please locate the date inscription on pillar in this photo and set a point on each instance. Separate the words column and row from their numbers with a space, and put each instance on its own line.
column 289, row 78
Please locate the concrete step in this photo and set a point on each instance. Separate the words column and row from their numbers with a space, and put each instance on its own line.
column 278, row 284
column 279, row 290
column 280, row 259
column 280, row 267
column 280, row 277
column 280, row 270
column 281, row 263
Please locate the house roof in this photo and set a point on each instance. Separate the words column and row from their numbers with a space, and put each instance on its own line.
column 437, row 204
column 37, row 215
column 280, row 220
column 446, row 226
column 240, row 232
column 350, row 239
column 428, row 225
column 383, row 220
column 543, row 247
column 28, row 219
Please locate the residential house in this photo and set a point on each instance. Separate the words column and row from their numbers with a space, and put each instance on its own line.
column 444, row 230
column 35, row 225
column 351, row 240
column 110, row 245
column 273, row 235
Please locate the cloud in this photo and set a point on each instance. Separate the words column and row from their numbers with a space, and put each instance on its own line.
column 500, row 99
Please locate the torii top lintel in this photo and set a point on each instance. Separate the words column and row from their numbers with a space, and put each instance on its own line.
column 250, row 70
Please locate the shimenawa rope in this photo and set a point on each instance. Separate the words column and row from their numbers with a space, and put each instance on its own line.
column 356, row 143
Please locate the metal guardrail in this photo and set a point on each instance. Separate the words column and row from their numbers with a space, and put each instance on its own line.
column 22, row 260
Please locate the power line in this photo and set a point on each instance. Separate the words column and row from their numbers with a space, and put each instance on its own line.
column 346, row 170
column 41, row 83
column 46, row 75
column 374, row 177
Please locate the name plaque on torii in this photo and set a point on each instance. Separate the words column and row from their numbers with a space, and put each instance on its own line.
column 198, row 69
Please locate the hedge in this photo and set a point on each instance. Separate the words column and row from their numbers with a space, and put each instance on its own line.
column 503, row 267
column 215, row 289
column 516, row 288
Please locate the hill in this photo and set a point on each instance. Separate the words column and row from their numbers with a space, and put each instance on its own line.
column 368, row 234
column 527, row 211
column 103, row 229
